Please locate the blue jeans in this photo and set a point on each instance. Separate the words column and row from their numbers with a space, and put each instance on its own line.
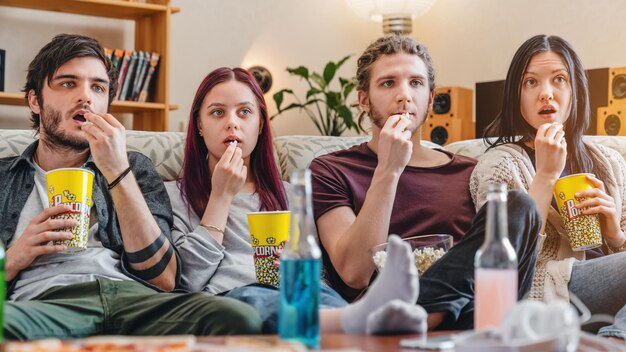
column 618, row 329
column 265, row 299
column 601, row 286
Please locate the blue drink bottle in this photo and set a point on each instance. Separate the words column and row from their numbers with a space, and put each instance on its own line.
column 300, row 269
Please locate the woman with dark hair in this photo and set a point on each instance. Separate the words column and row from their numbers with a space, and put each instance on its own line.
column 545, row 113
column 229, row 171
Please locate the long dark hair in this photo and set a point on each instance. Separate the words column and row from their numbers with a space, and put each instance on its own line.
column 510, row 125
column 194, row 180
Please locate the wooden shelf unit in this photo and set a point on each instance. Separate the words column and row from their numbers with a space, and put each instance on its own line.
column 152, row 33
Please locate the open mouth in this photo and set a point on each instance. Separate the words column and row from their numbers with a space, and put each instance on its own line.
column 547, row 111
column 230, row 140
column 80, row 118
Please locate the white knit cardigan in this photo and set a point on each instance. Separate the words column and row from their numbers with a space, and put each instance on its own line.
column 510, row 164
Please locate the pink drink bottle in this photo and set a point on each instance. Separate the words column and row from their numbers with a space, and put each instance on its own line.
column 495, row 285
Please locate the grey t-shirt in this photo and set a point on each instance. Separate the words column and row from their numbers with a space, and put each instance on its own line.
column 207, row 265
column 61, row 269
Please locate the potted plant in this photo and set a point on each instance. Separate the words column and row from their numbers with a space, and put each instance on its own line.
column 327, row 108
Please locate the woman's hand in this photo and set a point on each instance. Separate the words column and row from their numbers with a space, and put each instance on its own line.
column 550, row 151
column 230, row 173
column 599, row 202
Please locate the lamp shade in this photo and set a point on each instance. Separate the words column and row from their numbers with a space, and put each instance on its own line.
column 377, row 9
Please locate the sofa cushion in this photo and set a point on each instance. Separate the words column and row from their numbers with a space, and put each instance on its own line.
column 297, row 152
column 165, row 149
column 476, row 147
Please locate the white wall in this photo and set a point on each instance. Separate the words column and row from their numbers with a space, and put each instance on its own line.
column 474, row 40
column 470, row 40
column 272, row 33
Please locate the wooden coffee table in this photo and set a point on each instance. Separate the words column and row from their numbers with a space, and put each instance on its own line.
column 345, row 342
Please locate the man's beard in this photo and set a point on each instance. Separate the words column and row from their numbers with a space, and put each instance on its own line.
column 55, row 137
column 379, row 120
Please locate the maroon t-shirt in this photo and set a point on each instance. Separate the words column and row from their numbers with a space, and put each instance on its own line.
column 428, row 200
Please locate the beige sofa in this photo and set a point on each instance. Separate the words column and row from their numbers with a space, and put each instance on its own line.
column 165, row 149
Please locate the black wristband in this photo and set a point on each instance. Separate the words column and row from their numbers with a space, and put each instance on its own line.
column 157, row 269
column 146, row 253
column 119, row 178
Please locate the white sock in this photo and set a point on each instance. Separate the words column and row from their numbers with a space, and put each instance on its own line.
column 397, row 317
column 396, row 281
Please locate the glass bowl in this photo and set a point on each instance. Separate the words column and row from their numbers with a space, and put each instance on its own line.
column 426, row 250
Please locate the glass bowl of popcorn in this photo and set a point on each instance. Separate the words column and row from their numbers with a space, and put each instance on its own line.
column 426, row 250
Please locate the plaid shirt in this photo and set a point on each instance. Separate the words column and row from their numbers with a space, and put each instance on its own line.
column 17, row 180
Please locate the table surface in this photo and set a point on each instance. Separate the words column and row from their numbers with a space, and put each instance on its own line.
column 344, row 342
column 370, row 342
column 330, row 342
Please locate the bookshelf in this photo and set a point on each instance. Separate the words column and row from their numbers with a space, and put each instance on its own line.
column 152, row 33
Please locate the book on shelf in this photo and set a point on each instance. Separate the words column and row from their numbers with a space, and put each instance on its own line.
column 144, row 57
column 154, row 61
column 132, row 65
column 123, row 70
column 135, row 72
column 116, row 58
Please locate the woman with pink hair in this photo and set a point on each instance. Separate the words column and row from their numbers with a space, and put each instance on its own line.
column 228, row 171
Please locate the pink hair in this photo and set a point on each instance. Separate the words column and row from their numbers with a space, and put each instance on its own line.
column 194, row 179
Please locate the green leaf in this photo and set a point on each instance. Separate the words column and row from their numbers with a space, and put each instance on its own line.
column 329, row 72
column 342, row 61
column 299, row 71
column 346, row 114
column 279, row 96
column 318, row 79
column 343, row 82
column 348, row 89
column 313, row 101
column 312, row 91
column 333, row 99
column 293, row 106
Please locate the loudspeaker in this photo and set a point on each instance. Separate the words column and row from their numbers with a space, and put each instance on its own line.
column 598, row 95
column 611, row 121
column 450, row 119
column 617, row 86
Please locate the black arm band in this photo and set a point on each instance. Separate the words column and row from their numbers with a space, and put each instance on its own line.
column 157, row 269
column 119, row 178
column 144, row 254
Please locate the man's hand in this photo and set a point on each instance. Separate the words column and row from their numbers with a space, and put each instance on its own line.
column 395, row 146
column 107, row 142
column 34, row 241
column 230, row 173
column 550, row 150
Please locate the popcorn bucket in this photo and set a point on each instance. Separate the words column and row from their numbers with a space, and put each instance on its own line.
column 269, row 231
column 583, row 231
column 72, row 187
